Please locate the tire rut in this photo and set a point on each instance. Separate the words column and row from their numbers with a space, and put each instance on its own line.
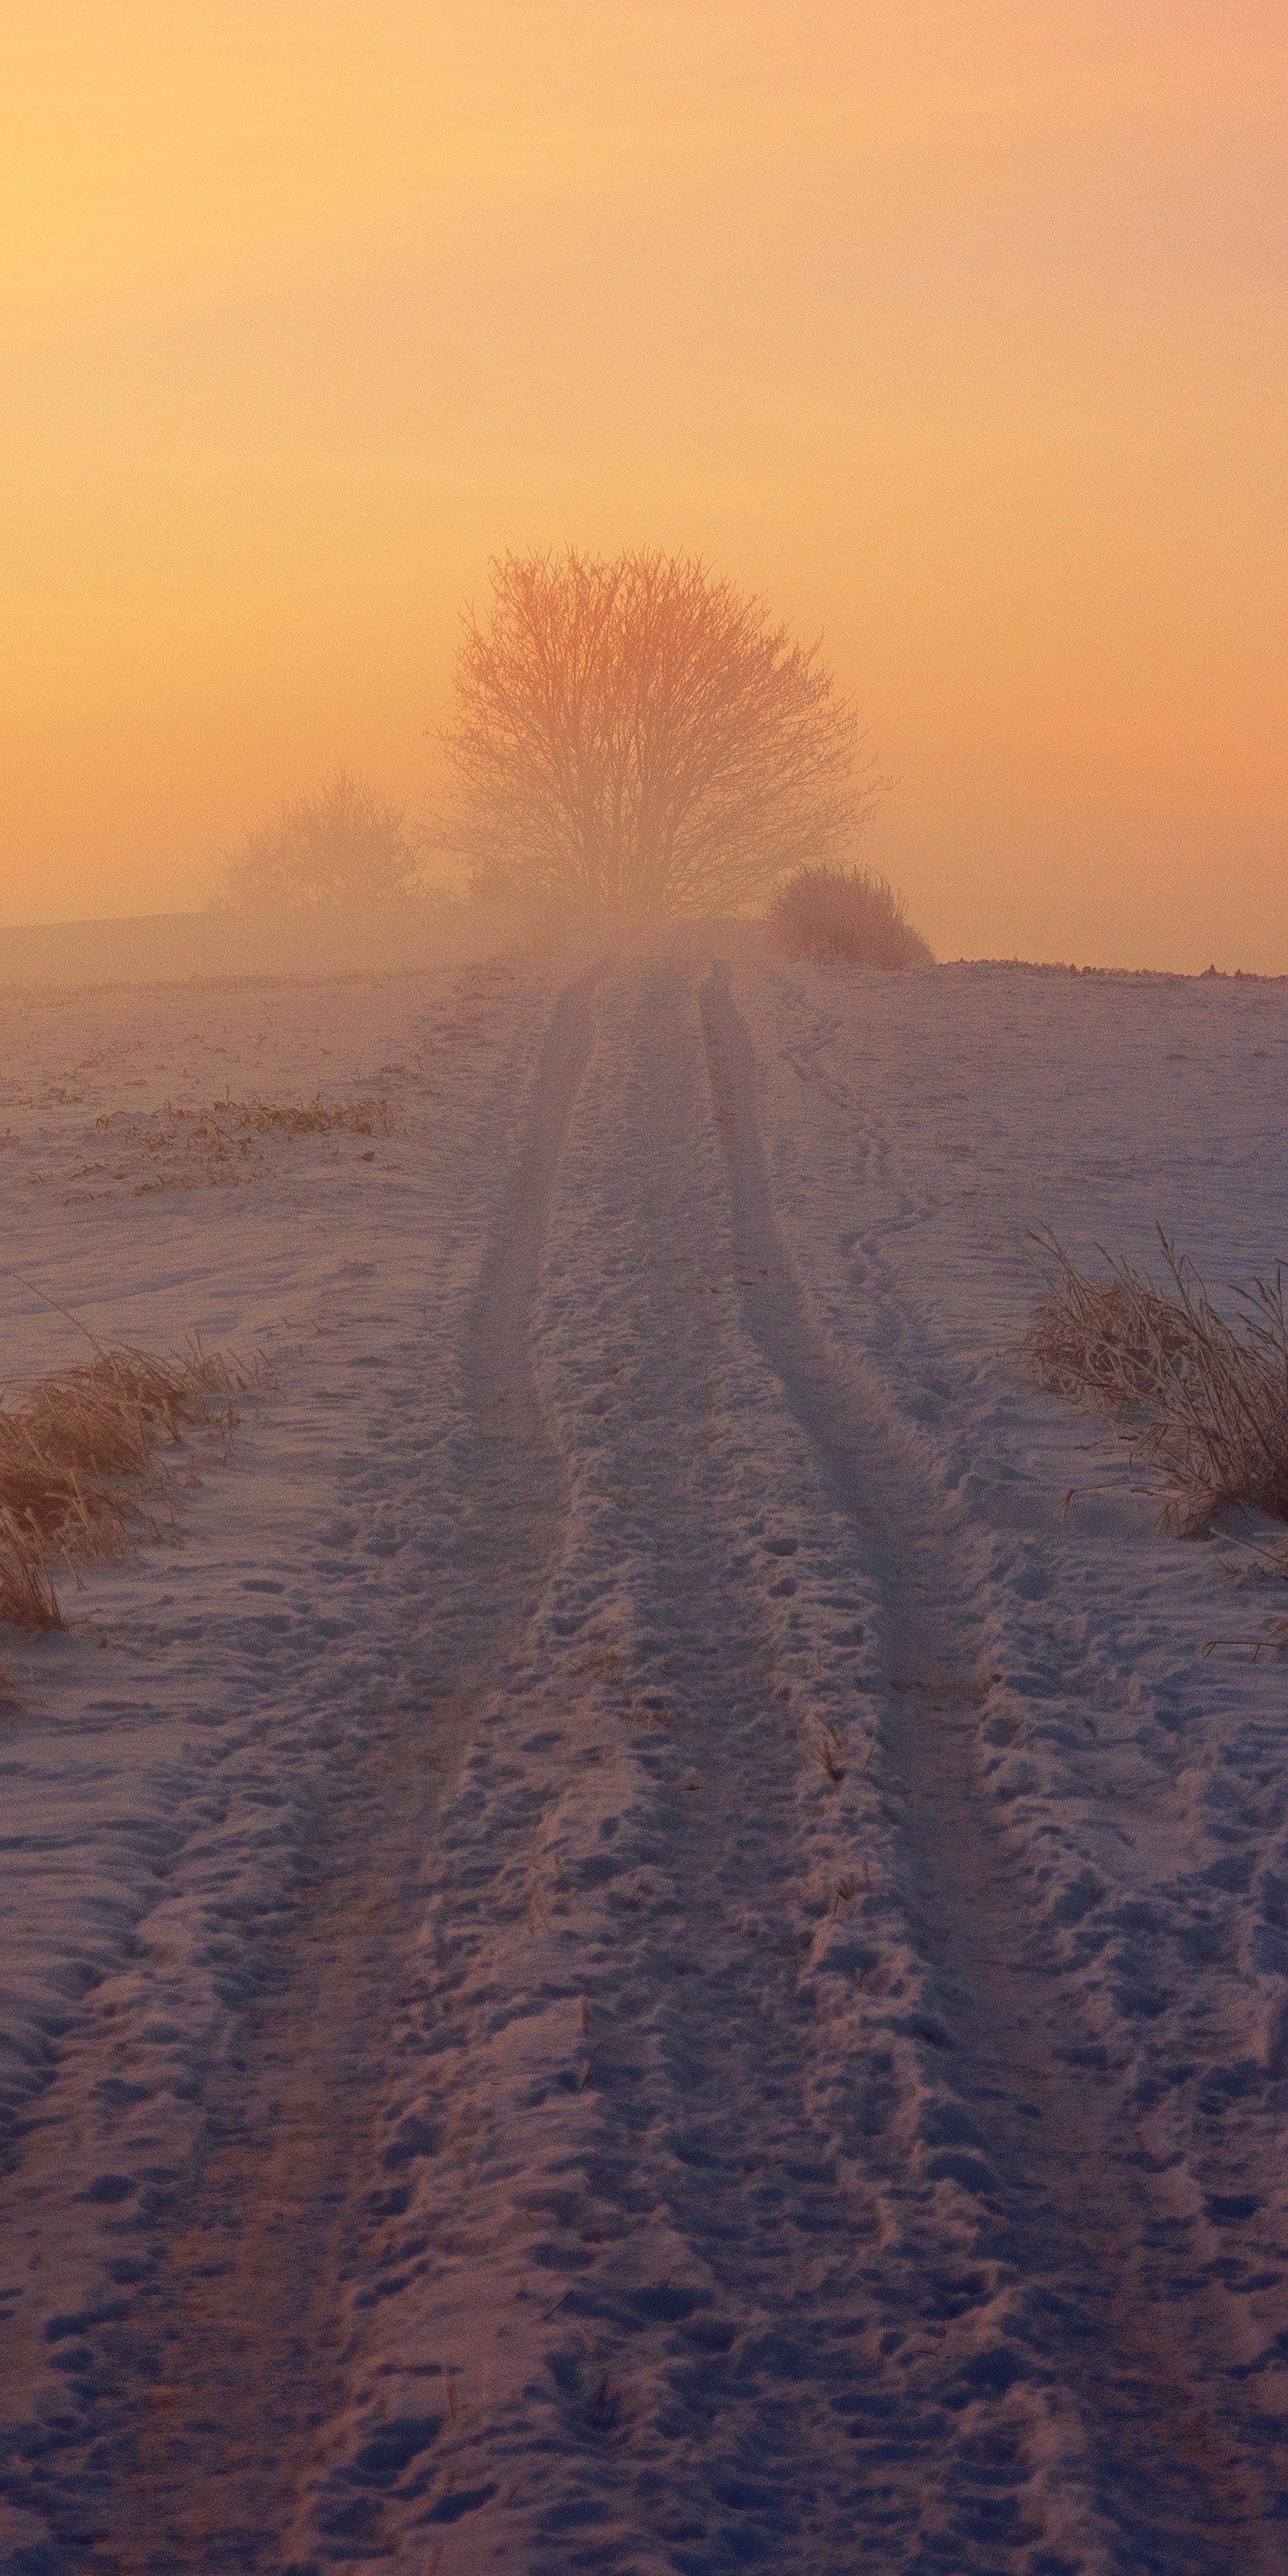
column 1177, row 2483
column 220, row 2393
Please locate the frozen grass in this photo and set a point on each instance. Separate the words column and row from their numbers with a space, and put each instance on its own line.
column 185, row 1147
column 847, row 914
column 78, row 1463
column 316, row 1118
column 1202, row 1404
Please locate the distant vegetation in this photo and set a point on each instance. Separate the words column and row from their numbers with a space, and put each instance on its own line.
column 1201, row 1404
column 631, row 732
column 346, row 847
column 850, row 915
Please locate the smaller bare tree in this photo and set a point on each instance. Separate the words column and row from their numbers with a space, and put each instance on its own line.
column 634, row 732
column 346, row 847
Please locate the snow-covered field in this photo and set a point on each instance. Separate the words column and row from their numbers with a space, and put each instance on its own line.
column 633, row 1953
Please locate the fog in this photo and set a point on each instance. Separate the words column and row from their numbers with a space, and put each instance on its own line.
column 945, row 328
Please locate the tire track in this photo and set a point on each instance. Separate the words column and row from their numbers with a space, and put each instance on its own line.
column 213, row 2402
column 728, row 2305
column 641, row 2225
column 1179, row 2480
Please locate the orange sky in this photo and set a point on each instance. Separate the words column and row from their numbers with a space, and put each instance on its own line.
column 957, row 326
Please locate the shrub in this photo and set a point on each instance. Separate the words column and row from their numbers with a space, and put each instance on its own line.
column 850, row 914
column 1202, row 1403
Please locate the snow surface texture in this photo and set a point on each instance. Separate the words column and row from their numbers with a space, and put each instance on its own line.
column 633, row 1955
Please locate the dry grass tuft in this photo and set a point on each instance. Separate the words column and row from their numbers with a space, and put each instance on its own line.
column 852, row 915
column 316, row 1118
column 189, row 1148
column 1202, row 1403
column 78, row 1461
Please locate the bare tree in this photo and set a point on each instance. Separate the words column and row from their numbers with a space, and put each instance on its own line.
column 346, row 846
column 632, row 731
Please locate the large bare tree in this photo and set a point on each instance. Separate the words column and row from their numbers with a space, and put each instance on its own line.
column 631, row 731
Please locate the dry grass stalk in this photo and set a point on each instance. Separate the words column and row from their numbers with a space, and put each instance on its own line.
column 850, row 915
column 78, row 1457
column 1202, row 1403
column 829, row 1750
column 1274, row 1642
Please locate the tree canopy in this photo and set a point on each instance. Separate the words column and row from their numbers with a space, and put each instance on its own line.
column 633, row 731
column 346, row 846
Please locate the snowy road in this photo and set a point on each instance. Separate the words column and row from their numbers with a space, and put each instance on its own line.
column 724, row 1997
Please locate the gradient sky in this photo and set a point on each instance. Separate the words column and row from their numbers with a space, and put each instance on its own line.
column 957, row 327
